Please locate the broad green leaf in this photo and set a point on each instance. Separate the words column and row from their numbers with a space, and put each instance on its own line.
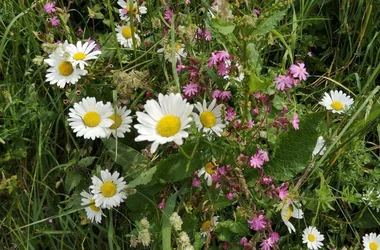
column 256, row 84
column 369, row 219
column 85, row 162
column 72, row 180
column 144, row 178
column 269, row 23
column 228, row 229
column 224, row 27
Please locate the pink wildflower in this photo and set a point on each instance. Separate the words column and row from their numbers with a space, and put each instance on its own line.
column 256, row 161
column 216, row 94
column 191, row 89
column 188, row 2
column 49, row 7
column 267, row 180
column 296, row 122
column 223, row 69
column 196, row 182
column 283, row 81
column 283, row 191
column 213, row 60
column 222, row 171
column 207, row 35
column 256, row 12
column 298, row 71
column 55, row 21
column 309, row 53
column 255, row 111
column 263, row 155
column 225, row 95
column 274, row 237
column 231, row 114
column 243, row 241
column 257, row 223
column 161, row 205
column 223, row 55
column 169, row 13
column 230, row 196
column 266, row 244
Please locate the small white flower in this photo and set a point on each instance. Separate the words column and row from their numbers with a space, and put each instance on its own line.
column 108, row 191
column 337, row 101
column 209, row 118
column 79, row 54
column 136, row 10
column 313, row 238
column 93, row 212
column 122, row 121
column 288, row 212
column 90, row 119
column 125, row 36
column 209, row 226
column 164, row 121
column 371, row 241
column 176, row 221
column 144, row 237
column 208, row 171
column 320, row 147
column 177, row 52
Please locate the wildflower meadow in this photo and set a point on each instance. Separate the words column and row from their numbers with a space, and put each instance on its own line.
column 190, row 124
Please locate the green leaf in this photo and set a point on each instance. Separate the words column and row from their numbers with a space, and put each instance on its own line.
column 228, row 229
column 369, row 219
column 85, row 162
column 144, row 178
column 294, row 148
column 73, row 178
column 223, row 26
column 269, row 23
column 256, row 84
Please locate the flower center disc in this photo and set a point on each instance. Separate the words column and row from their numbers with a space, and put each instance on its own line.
column 337, row 105
column 210, row 168
column 206, row 226
column 208, row 119
column 93, row 207
column 65, row 68
column 373, row 246
column 108, row 189
column 91, row 119
column 79, row 56
column 177, row 47
column 168, row 126
column 134, row 9
column 311, row 237
column 126, row 32
column 116, row 119
column 289, row 213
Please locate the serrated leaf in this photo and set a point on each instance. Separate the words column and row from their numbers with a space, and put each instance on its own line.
column 269, row 23
column 294, row 149
column 224, row 27
column 144, row 178
column 73, row 178
column 85, row 162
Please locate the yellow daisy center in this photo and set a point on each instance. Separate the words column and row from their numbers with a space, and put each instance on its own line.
column 169, row 125
column 79, row 56
column 93, row 207
column 206, row 226
column 373, row 246
column 288, row 213
column 65, row 68
column 337, row 105
column 91, row 119
column 117, row 121
column 210, row 168
column 127, row 32
column 135, row 10
column 177, row 47
column 108, row 189
column 208, row 119
column 311, row 237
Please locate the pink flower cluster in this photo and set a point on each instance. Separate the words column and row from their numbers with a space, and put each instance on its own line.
column 281, row 122
column 222, row 60
column 220, row 94
column 49, row 8
column 296, row 73
column 258, row 159
column 203, row 34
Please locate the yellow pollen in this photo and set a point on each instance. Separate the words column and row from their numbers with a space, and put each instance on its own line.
column 127, row 32
column 169, row 125
column 289, row 213
column 311, row 237
column 206, row 226
column 373, row 246
column 91, row 119
column 65, row 68
column 135, row 10
column 108, row 189
column 210, row 168
column 208, row 119
column 93, row 207
column 79, row 56
column 177, row 47
column 116, row 119
column 337, row 105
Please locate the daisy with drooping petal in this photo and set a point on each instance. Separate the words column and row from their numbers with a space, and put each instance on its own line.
column 208, row 171
column 209, row 225
column 93, row 212
column 313, row 238
column 125, row 36
column 122, row 121
column 90, row 119
column 137, row 11
column 164, row 121
column 337, row 101
column 108, row 191
column 371, row 241
column 209, row 118
column 320, row 147
column 175, row 53
column 79, row 53
column 288, row 212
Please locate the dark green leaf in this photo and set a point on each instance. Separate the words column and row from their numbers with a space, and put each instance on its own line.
column 224, row 27
column 268, row 23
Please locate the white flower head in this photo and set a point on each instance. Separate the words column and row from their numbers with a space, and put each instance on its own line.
column 313, row 238
column 164, row 121
column 175, row 52
column 208, row 171
column 288, row 212
column 125, row 36
column 320, row 147
column 108, row 191
column 337, row 101
column 89, row 118
column 122, row 121
column 80, row 54
column 209, row 226
column 176, row 221
column 93, row 212
column 137, row 11
column 210, row 118
column 371, row 241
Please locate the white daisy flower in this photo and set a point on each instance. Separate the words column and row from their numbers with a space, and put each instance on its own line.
column 79, row 54
column 337, row 101
column 208, row 170
column 177, row 52
column 320, row 147
column 108, row 191
column 90, row 119
column 93, row 212
column 164, row 121
column 313, row 238
column 122, row 121
column 371, row 241
column 61, row 70
column 136, row 10
column 125, row 36
column 209, row 225
column 209, row 118
column 288, row 212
